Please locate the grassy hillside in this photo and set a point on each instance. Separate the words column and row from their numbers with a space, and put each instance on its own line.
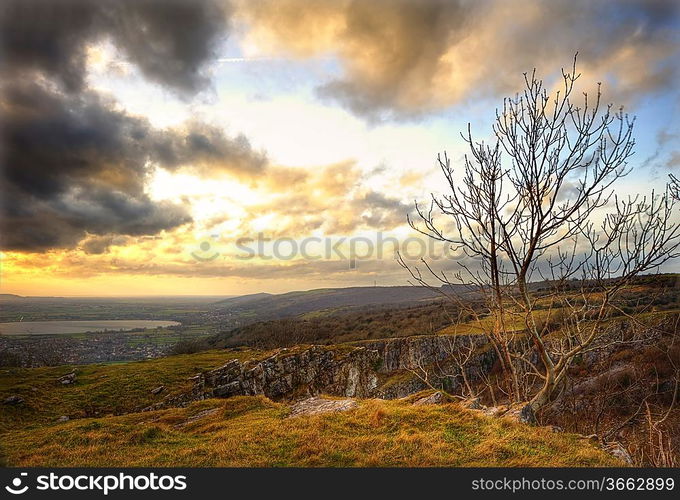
column 254, row 431
column 107, row 428
column 327, row 316
column 100, row 389
column 339, row 327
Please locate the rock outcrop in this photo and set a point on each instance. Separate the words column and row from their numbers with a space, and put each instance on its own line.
column 407, row 353
column 290, row 373
column 617, row 450
column 435, row 398
column 400, row 356
column 317, row 405
column 361, row 370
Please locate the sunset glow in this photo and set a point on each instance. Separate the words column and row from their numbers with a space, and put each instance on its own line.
column 288, row 118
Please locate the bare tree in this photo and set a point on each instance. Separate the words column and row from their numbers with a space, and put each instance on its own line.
column 539, row 204
column 674, row 187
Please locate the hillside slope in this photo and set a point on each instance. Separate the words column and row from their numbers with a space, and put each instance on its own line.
column 266, row 306
column 254, row 431
column 107, row 427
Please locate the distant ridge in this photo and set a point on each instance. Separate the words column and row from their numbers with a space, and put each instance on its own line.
column 10, row 296
column 243, row 299
column 268, row 306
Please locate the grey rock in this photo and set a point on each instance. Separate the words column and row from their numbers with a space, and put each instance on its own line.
column 472, row 404
column 435, row 398
column 494, row 411
column 521, row 412
column 13, row 400
column 526, row 415
column 158, row 389
column 317, row 405
column 617, row 450
column 360, row 370
column 310, row 371
column 67, row 379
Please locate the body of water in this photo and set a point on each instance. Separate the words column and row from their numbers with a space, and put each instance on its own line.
column 65, row 327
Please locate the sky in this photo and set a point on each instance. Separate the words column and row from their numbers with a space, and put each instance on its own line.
column 228, row 147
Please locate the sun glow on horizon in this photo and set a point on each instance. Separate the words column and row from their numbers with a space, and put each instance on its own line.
column 288, row 119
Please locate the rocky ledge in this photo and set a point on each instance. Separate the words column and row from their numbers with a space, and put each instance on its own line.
column 360, row 370
column 289, row 373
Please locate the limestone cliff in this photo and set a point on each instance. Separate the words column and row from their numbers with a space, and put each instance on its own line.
column 367, row 369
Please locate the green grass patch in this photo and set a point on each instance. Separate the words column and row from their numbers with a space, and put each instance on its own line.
column 101, row 389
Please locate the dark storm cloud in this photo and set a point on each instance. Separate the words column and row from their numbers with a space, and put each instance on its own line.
column 30, row 224
column 97, row 245
column 207, row 150
column 406, row 39
column 74, row 164
column 169, row 41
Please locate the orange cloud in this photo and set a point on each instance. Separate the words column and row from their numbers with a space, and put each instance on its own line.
column 406, row 57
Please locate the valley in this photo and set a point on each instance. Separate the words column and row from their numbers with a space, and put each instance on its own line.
column 254, row 359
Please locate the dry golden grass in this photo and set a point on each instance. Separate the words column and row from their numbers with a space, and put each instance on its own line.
column 513, row 322
column 254, row 431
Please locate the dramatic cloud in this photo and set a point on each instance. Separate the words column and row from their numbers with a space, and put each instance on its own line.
column 379, row 211
column 673, row 161
column 168, row 41
column 97, row 245
column 205, row 150
column 75, row 164
column 402, row 58
column 92, row 184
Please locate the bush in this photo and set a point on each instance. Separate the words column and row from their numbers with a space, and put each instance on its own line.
column 189, row 346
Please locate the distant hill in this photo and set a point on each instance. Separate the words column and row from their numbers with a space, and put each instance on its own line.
column 267, row 306
column 10, row 296
column 242, row 299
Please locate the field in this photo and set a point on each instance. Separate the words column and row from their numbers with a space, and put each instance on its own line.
column 58, row 330
column 70, row 327
column 16, row 308
column 101, row 389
